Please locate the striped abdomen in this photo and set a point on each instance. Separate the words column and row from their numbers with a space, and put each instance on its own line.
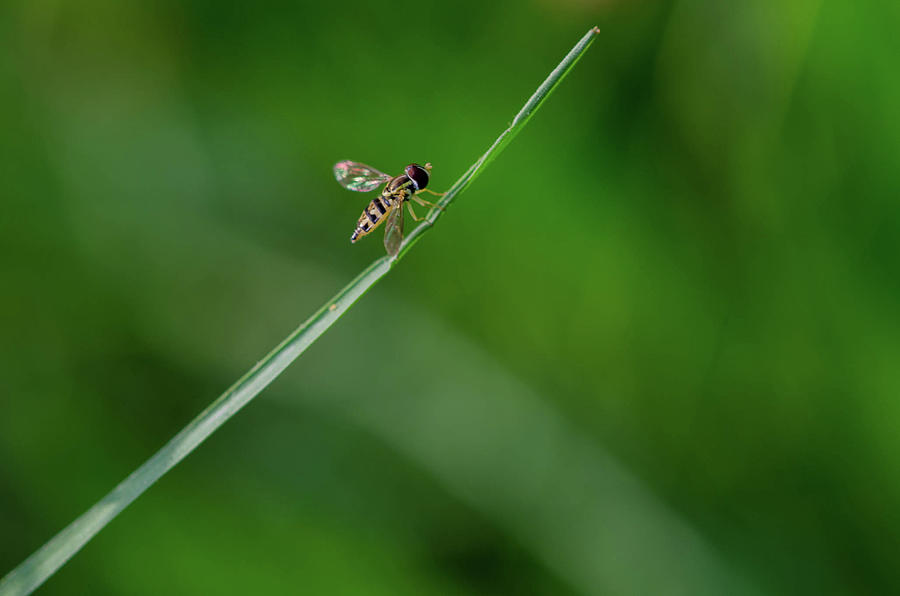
column 377, row 211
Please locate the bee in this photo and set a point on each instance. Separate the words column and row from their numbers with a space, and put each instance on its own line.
column 388, row 206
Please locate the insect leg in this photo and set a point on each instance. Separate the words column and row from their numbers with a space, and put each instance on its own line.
column 411, row 212
column 425, row 203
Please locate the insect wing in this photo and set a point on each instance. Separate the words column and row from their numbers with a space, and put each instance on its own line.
column 393, row 230
column 353, row 175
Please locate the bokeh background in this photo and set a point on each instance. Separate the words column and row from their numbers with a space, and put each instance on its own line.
column 655, row 348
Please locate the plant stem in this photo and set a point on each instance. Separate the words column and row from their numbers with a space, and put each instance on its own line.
column 35, row 570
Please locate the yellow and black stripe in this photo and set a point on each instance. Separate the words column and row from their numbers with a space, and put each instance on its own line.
column 376, row 211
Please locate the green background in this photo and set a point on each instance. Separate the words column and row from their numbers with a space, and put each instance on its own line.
column 654, row 348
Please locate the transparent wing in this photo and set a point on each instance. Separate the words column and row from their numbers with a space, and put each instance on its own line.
column 393, row 230
column 353, row 175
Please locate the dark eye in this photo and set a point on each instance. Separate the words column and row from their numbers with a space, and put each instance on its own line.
column 418, row 175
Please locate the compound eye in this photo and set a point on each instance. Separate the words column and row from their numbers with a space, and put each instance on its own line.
column 418, row 175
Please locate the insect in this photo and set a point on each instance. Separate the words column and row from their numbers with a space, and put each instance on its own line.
column 388, row 206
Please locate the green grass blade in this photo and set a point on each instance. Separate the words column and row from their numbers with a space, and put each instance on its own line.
column 531, row 106
column 31, row 573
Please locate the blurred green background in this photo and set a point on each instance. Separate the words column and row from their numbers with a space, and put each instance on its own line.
column 655, row 348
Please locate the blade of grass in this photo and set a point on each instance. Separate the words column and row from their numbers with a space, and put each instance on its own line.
column 531, row 106
column 44, row 562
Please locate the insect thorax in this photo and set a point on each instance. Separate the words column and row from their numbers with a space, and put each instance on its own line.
column 399, row 188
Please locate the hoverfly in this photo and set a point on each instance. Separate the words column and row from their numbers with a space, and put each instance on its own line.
column 353, row 175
